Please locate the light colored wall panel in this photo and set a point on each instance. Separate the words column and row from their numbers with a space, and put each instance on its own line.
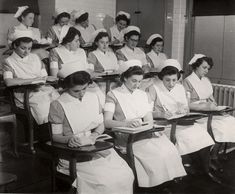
column 178, row 30
column 97, row 9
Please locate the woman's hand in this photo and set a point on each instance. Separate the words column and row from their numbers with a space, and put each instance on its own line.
column 211, row 106
column 133, row 123
column 94, row 136
column 167, row 114
column 80, row 141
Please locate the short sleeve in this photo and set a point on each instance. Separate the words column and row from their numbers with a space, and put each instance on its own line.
column 110, row 102
column 56, row 113
column 8, row 71
column 120, row 55
column 96, row 64
column 91, row 58
column 54, row 59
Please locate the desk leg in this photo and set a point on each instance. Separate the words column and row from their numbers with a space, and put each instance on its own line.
column 14, row 136
column 173, row 132
column 31, row 135
column 108, row 82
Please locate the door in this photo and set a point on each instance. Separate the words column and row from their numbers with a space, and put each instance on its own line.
column 148, row 15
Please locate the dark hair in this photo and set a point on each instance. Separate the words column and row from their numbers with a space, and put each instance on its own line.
column 155, row 40
column 99, row 36
column 199, row 61
column 82, row 18
column 131, row 33
column 17, row 42
column 69, row 37
column 61, row 15
column 169, row 70
column 135, row 70
column 77, row 78
column 25, row 13
column 123, row 17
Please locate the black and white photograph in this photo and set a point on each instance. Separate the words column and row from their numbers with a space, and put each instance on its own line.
column 117, row 96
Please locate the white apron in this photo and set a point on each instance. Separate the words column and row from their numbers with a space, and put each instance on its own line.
column 108, row 60
column 86, row 33
column 137, row 53
column 156, row 159
column 188, row 138
column 72, row 61
column 27, row 68
column 107, row 172
column 116, row 34
column 60, row 32
column 222, row 126
column 157, row 59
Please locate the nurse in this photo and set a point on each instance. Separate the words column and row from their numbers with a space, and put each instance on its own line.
column 156, row 57
column 103, row 58
column 170, row 99
column 83, row 25
column 25, row 16
column 77, row 120
column 24, row 67
column 156, row 158
column 60, row 28
column 130, row 50
column 116, row 32
column 200, row 90
column 68, row 55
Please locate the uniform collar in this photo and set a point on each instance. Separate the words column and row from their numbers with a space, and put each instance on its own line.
column 22, row 26
column 19, row 58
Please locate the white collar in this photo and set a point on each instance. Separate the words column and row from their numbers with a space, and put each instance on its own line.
column 23, row 26
column 129, row 49
column 19, row 58
column 126, row 90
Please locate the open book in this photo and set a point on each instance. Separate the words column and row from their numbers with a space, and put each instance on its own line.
column 144, row 127
column 103, row 137
column 186, row 116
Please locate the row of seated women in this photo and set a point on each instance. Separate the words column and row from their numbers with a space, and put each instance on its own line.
column 68, row 41
column 77, row 118
column 63, row 20
column 78, row 115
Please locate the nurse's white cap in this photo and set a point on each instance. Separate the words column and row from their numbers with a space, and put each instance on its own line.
column 20, row 11
column 152, row 37
column 60, row 10
column 72, row 68
column 127, row 64
column 131, row 28
column 171, row 62
column 195, row 58
column 124, row 13
column 22, row 33
column 95, row 33
column 77, row 13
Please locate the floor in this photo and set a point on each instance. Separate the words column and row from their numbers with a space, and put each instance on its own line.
column 33, row 176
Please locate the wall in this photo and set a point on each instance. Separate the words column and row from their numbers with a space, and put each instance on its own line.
column 96, row 8
column 214, row 37
column 47, row 9
column 6, row 21
column 178, row 32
